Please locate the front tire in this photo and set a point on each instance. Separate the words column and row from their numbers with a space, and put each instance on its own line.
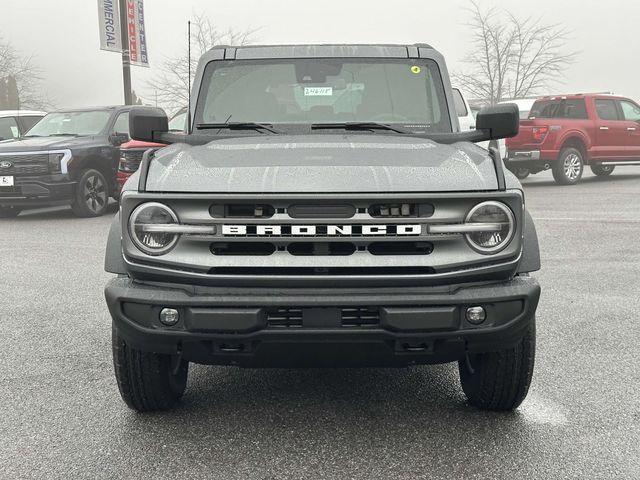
column 500, row 380
column 92, row 194
column 9, row 212
column 148, row 381
column 569, row 167
column 602, row 170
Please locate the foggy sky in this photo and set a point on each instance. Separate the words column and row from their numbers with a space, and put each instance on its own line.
column 63, row 36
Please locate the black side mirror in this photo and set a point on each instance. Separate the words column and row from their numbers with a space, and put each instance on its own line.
column 117, row 139
column 499, row 121
column 147, row 124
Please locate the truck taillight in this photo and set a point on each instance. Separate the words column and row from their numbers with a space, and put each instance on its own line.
column 539, row 133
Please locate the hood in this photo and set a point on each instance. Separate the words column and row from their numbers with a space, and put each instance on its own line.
column 43, row 143
column 321, row 163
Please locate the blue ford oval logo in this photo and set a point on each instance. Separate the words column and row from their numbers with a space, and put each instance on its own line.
column 6, row 164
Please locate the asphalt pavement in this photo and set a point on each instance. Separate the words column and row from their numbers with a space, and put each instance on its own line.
column 62, row 416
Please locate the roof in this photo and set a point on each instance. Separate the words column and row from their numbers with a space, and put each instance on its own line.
column 18, row 113
column 249, row 52
column 89, row 109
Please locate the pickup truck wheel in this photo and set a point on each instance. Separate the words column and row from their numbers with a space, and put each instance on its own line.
column 148, row 381
column 9, row 212
column 568, row 169
column 602, row 170
column 500, row 380
column 92, row 194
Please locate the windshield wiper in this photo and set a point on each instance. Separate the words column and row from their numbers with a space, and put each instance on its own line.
column 360, row 126
column 63, row 135
column 237, row 126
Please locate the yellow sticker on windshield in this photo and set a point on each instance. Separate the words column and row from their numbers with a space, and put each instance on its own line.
column 416, row 69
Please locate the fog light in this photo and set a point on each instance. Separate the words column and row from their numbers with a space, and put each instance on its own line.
column 476, row 315
column 169, row 316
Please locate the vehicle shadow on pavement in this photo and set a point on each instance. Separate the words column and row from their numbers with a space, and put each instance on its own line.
column 615, row 178
column 228, row 396
column 57, row 213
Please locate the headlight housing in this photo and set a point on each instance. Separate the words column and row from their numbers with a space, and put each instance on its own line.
column 55, row 160
column 150, row 240
column 491, row 240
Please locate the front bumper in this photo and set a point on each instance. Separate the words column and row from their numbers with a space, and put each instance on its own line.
column 232, row 326
column 36, row 191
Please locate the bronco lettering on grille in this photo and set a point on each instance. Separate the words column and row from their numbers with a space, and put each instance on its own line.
column 320, row 230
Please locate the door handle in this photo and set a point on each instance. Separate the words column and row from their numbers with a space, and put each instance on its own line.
column 604, row 128
column 631, row 129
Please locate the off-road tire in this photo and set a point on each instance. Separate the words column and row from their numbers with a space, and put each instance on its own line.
column 148, row 381
column 569, row 167
column 91, row 197
column 9, row 212
column 500, row 380
column 602, row 170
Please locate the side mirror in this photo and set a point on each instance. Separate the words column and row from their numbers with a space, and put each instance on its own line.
column 147, row 124
column 117, row 139
column 500, row 121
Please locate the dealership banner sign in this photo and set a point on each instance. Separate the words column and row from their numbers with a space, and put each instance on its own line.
column 110, row 29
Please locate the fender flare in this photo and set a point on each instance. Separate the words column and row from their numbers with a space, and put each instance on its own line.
column 530, row 261
column 113, row 261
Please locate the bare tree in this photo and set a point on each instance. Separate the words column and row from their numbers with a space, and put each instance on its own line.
column 170, row 88
column 27, row 77
column 512, row 57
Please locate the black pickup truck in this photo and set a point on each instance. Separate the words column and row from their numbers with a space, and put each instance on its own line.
column 69, row 158
column 323, row 209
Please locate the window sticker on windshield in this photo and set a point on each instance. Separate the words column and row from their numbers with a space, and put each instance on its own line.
column 416, row 69
column 318, row 91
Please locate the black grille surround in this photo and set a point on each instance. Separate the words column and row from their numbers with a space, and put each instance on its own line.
column 370, row 259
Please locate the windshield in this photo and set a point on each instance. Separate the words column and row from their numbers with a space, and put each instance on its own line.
column 407, row 92
column 71, row 123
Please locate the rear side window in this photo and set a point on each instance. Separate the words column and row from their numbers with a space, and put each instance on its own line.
column 606, row 109
column 458, row 101
column 630, row 110
column 572, row 108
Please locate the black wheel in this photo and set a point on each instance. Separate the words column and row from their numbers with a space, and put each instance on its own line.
column 568, row 169
column 500, row 380
column 9, row 212
column 92, row 194
column 521, row 172
column 148, row 381
column 602, row 170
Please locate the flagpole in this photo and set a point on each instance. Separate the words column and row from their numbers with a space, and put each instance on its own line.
column 126, row 59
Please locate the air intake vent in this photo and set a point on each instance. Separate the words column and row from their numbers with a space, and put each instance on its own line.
column 401, row 210
column 360, row 317
column 284, row 318
column 242, row 210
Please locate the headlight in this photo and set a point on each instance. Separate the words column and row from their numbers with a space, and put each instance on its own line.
column 146, row 228
column 55, row 159
column 501, row 221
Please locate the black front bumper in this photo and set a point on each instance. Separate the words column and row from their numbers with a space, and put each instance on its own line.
column 38, row 191
column 232, row 326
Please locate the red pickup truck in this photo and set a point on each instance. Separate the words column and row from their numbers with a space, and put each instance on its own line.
column 565, row 133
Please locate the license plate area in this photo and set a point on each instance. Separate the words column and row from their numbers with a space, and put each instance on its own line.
column 6, row 181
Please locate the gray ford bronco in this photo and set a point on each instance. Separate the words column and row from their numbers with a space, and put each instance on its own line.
column 323, row 209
